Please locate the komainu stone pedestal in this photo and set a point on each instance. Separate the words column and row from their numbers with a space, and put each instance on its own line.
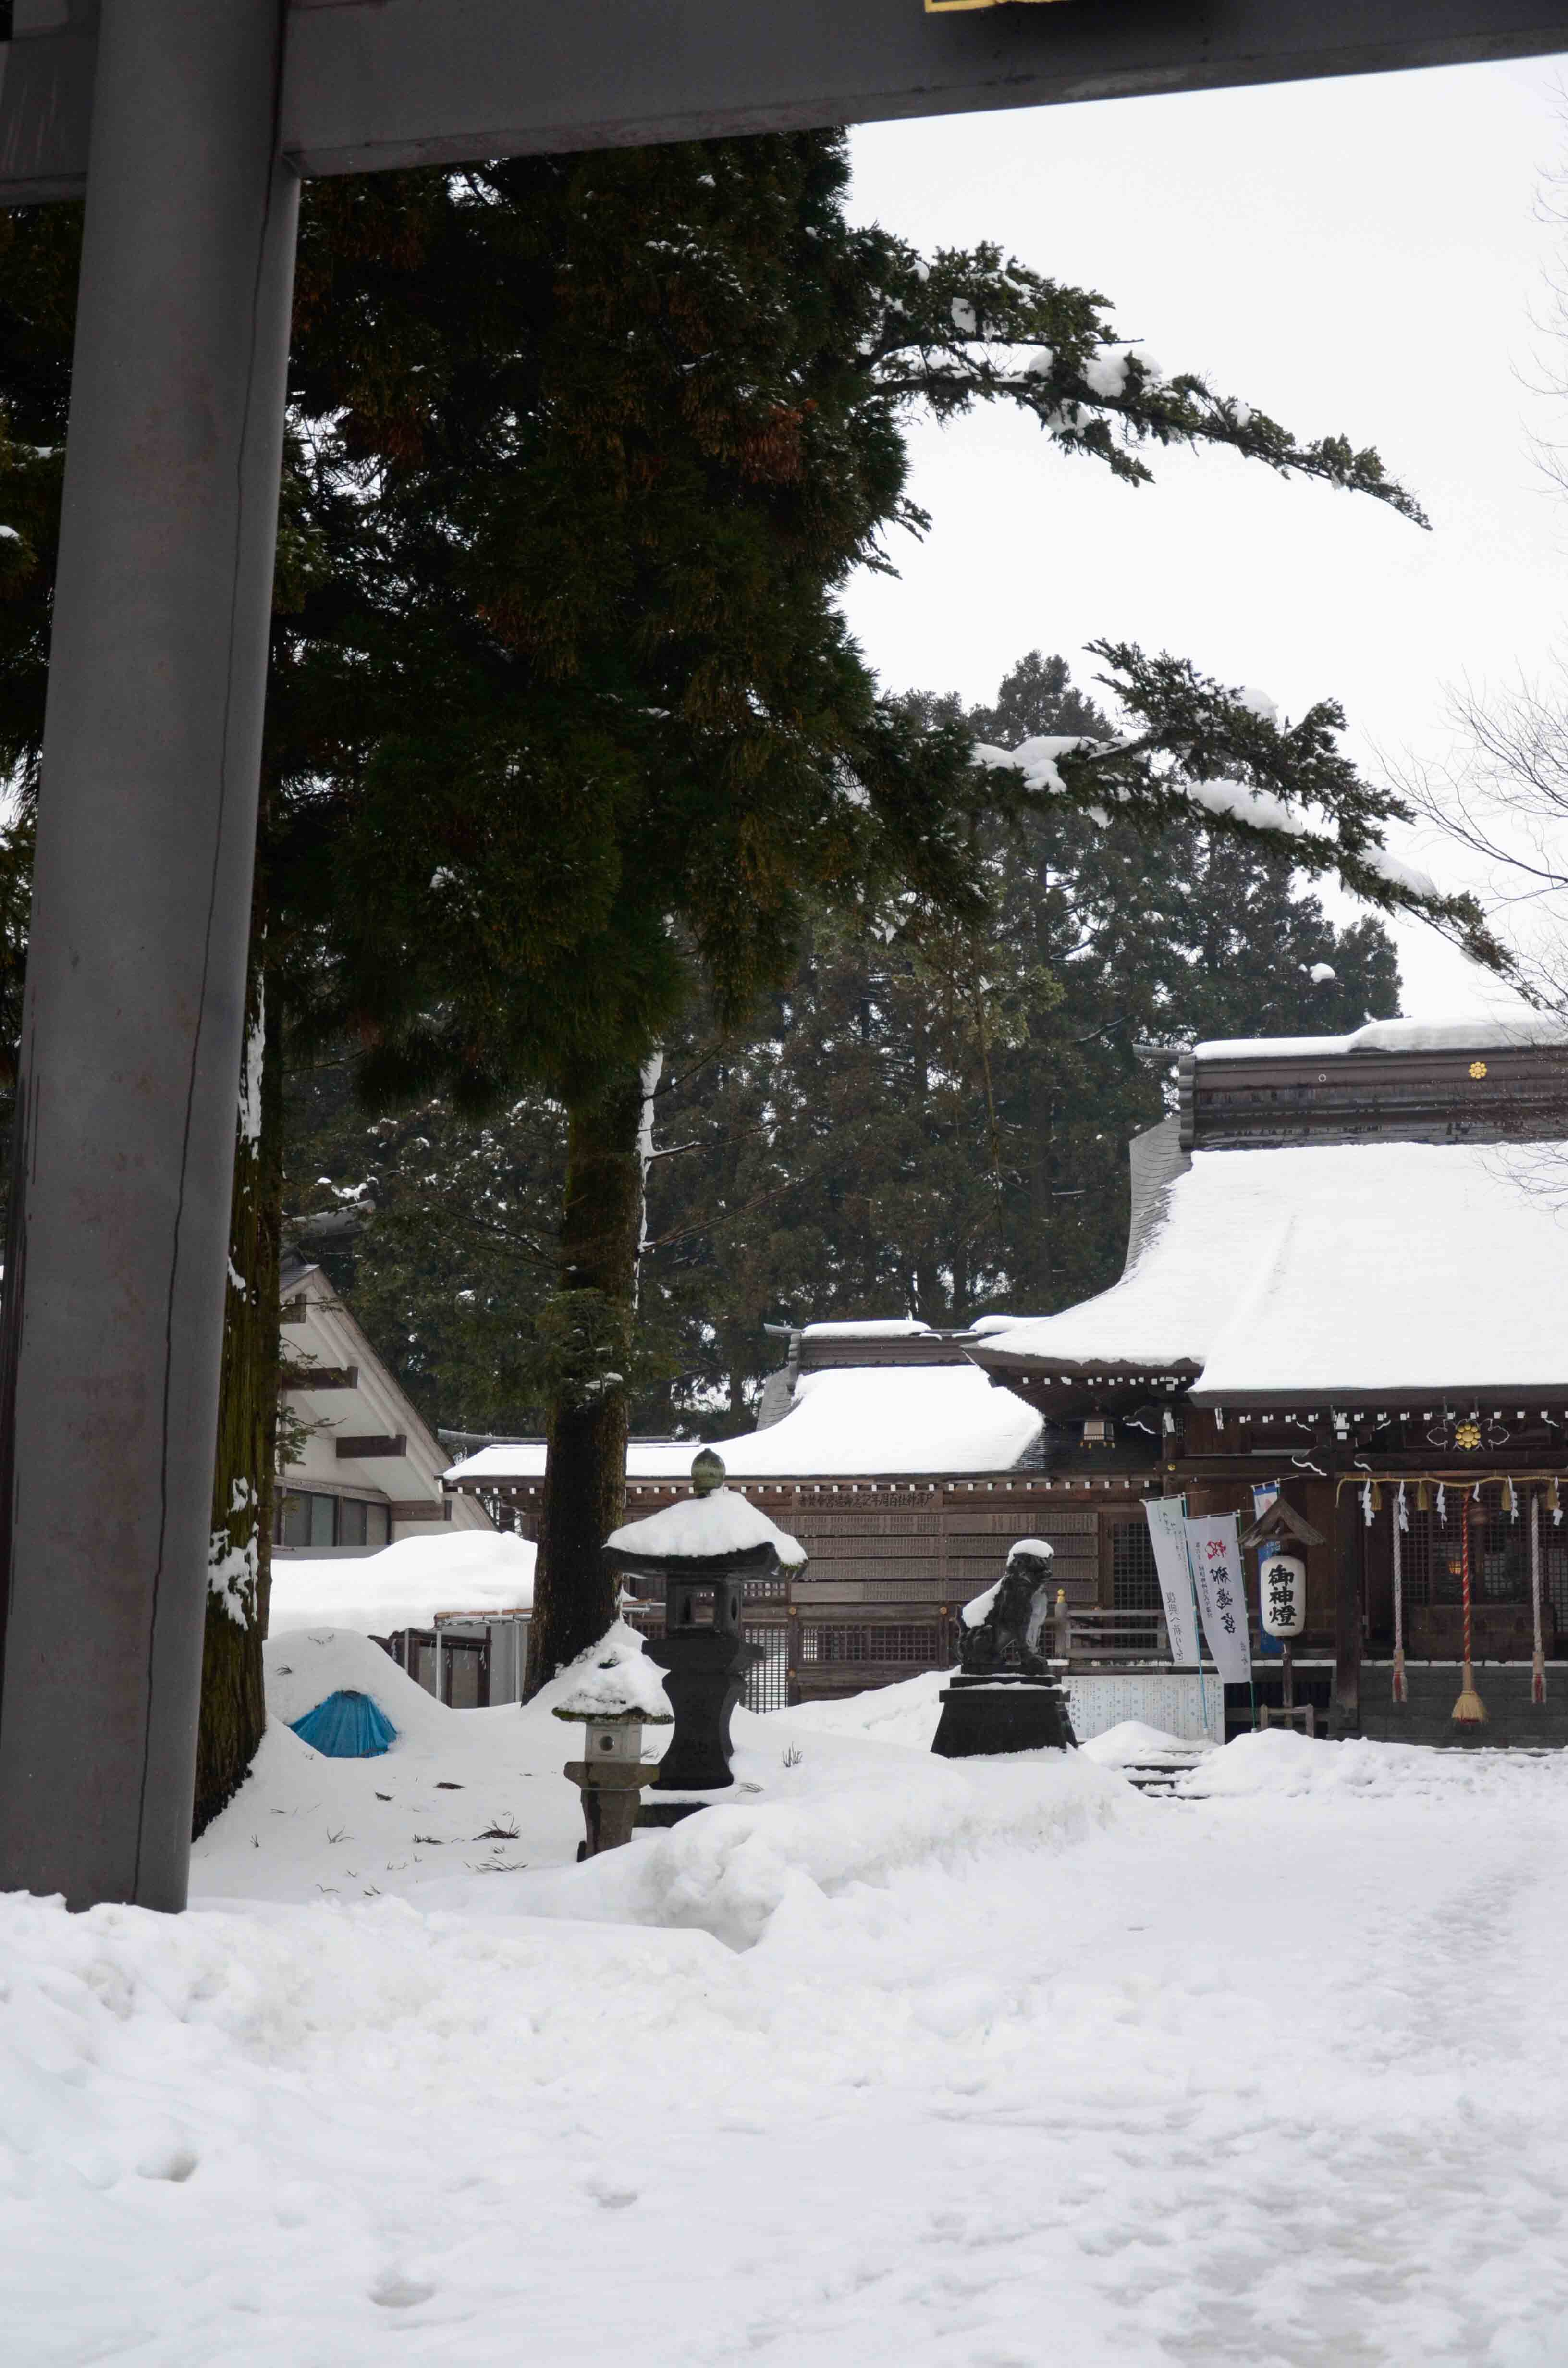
column 984, row 1715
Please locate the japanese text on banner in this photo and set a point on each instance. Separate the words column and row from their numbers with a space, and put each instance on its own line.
column 1214, row 1549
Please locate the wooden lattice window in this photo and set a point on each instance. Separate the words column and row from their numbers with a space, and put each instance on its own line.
column 1432, row 1556
column 767, row 1680
column 919, row 1645
column 1134, row 1582
column 1429, row 1555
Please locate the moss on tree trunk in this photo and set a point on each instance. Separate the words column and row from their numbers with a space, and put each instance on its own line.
column 234, row 1704
column 588, row 1326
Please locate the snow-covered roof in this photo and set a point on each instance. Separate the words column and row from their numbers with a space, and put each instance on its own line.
column 1337, row 1270
column 876, row 1327
column 700, row 1528
column 1395, row 1036
column 882, row 1420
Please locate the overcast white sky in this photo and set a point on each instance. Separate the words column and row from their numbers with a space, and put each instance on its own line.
column 1360, row 256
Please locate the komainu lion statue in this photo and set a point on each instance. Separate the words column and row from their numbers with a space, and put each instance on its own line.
column 1005, row 1629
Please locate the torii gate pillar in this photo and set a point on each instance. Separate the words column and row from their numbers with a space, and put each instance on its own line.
column 135, row 994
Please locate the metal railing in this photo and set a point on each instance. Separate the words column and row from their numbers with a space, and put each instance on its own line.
column 1088, row 1637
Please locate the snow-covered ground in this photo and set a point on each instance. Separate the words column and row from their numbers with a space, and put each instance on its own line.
column 986, row 2066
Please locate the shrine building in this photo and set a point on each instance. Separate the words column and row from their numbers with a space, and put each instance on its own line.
column 1347, row 1278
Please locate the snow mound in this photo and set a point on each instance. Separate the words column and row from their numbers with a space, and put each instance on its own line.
column 1133, row 1742
column 905, row 1714
column 405, row 1585
column 464, row 1793
column 735, row 1871
column 305, row 1665
column 1281, row 1763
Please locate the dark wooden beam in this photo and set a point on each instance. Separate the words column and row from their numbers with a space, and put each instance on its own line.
column 1282, row 1519
column 367, row 1449
column 1344, row 1714
column 319, row 1377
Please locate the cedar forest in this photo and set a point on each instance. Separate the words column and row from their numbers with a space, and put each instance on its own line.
column 927, row 1123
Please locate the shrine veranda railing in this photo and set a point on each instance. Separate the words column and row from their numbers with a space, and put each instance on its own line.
column 824, row 1638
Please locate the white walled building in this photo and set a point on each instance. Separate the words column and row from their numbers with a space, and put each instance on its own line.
column 369, row 1471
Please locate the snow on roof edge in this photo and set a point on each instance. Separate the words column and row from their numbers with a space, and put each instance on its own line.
column 875, row 1327
column 1395, row 1036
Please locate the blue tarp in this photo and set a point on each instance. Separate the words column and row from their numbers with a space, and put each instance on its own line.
column 346, row 1726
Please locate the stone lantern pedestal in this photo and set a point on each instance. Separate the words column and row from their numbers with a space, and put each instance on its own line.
column 615, row 1696
column 704, row 1551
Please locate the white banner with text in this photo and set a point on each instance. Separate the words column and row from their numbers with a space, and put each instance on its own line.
column 1167, row 1535
column 1214, row 1550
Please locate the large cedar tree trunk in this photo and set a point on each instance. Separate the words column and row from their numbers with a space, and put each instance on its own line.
column 234, row 1704
column 588, row 1336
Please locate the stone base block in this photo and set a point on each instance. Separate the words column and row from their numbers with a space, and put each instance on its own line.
column 984, row 1716
column 667, row 1812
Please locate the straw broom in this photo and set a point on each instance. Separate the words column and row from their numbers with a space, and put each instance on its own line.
column 1470, row 1710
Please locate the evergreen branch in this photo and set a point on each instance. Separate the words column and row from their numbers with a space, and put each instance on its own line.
column 1201, row 752
column 971, row 328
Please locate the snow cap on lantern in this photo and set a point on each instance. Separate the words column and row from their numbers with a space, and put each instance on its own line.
column 704, row 1548
column 614, row 1686
column 615, row 1692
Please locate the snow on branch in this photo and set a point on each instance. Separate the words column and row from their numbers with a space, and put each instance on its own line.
column 974, row 326
column 1196, row 751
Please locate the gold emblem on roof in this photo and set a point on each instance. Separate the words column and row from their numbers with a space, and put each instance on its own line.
column 1478, row 1068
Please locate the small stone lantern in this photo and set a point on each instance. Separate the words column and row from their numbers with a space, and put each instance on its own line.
column 704, row 1549
column 616, row 1696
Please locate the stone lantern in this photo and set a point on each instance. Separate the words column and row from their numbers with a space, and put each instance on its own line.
column 704, row 1549
column 615, row 1694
